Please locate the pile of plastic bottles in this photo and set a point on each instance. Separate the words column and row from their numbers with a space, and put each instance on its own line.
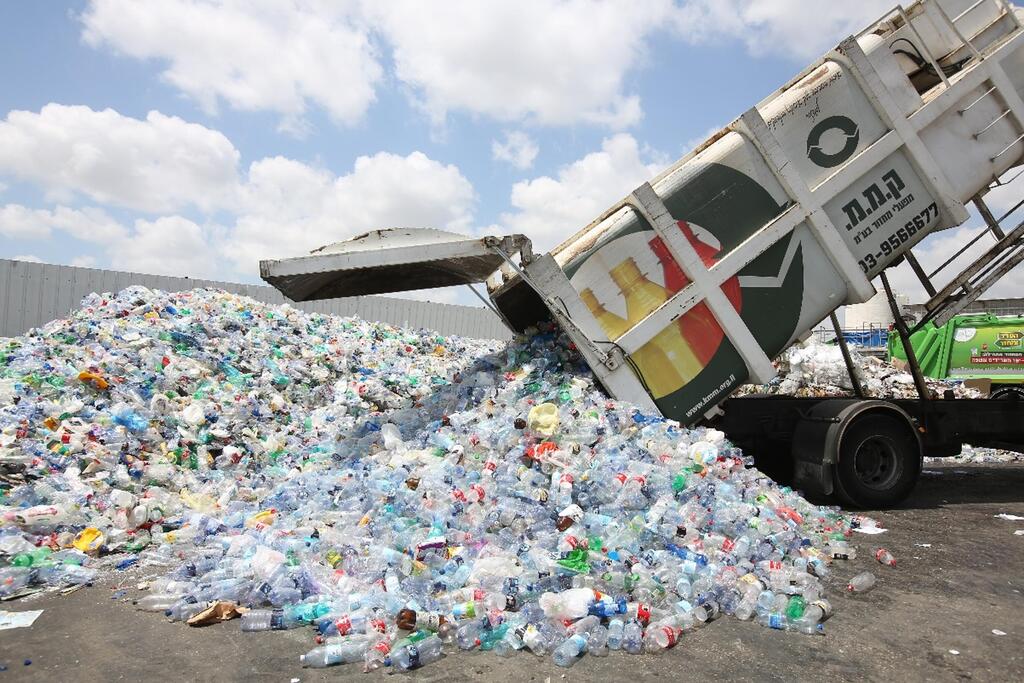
column 816, row 369
column 397, row 493
column 971, row 455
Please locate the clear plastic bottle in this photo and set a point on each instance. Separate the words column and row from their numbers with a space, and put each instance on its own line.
column 597, row 642
column 615, row 633
column 376, row 656
column 861, row 583
column 885, row 557
column 570, row 650
column 469, row 634
column 263, row 620
column 185, row 610
column 416, row 655
column 662, row 635
column 332, row 655
column 633, row 637
column 160, row 602
column 776, row 620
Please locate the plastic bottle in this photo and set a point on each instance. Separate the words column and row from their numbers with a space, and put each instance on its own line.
column 615, row 633
column 377, row 655
column 664, row 634
column 885, row 557
column 183, row 611
column 861, row 583
column 331, row 655
column 420, row 654
column 157, row 603
column 776, row 620
column 263, row 620
column 570, row 650
column 632, row 637
column 469, row 634
column 597, row 642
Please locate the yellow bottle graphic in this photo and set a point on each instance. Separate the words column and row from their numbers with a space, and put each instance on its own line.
column 666, row 362
column 613, row 325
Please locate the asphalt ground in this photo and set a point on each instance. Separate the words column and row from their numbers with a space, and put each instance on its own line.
column 959, row 576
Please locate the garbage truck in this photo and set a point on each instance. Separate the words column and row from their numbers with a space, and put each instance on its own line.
column 978, row 347
column 688, row 288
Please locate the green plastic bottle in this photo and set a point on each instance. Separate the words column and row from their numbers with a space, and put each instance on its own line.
column 795, row 608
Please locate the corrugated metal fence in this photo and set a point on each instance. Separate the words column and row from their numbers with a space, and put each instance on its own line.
column 32, row 294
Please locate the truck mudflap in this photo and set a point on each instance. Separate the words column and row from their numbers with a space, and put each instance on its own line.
column 392, row 260
column 819, row 433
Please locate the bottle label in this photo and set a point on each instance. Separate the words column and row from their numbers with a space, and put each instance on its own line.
column 643, row 613
column 414, row 656
column 670, row 634
column 344, row 625
column 775, row 621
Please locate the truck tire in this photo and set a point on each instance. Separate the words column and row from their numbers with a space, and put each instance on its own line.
column 1013, row 393
column 879, row 462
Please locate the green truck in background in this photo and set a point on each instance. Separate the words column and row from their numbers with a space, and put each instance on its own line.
column 977, row 346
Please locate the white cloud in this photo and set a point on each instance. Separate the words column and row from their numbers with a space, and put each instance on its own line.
column 253, row 54
column 550, row 209
column 157, row 165
column 291, row 207
column 518, row 149
column 801, row 29
column 18, row 222
column 555, row 62
column 28, row 258
column 88, row 224
column 170, row 245
column 84, row 261
column 163, row 164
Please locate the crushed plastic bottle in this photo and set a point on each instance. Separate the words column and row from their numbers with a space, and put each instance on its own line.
column 861, row 583
column 885, row 557
column 398, row 493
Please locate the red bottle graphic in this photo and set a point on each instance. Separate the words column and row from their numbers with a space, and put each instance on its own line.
column 698, row 325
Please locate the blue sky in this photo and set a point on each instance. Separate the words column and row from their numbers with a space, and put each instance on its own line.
column 245, row 130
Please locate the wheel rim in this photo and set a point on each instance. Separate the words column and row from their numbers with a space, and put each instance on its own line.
column 877, row 463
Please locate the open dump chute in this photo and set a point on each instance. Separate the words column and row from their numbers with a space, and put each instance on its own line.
column 392, row 260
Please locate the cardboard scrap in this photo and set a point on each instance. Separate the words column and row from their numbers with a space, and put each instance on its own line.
column 216, row 613
column 18, row 619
